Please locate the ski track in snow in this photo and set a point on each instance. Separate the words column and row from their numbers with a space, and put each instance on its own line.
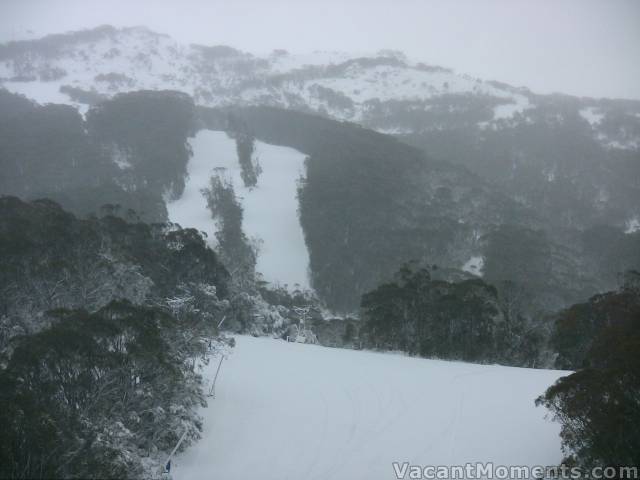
column 190, row 210
column 305, row 412
column 270, row 209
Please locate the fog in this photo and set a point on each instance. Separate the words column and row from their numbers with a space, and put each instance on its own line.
column 371, row 256
column 581, row 47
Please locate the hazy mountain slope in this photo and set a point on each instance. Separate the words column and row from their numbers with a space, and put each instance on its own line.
column 573, row 160
column 384, row 90
column 555, row 160
column 108, row 60
column 556, row 163
column 369, row 203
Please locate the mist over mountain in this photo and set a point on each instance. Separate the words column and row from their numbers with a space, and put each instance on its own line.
column 172, row 192
column 555, row 163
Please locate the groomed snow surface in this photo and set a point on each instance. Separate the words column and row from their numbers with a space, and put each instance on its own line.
column 304, row 412
column 270, row 208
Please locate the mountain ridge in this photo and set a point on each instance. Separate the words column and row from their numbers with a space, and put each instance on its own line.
column 278, row 66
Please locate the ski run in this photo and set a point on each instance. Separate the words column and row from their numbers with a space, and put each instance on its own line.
column 270, row 209
column 305, row 412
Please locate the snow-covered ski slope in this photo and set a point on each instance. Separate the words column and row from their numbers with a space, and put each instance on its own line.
column 305, row 412
column 270, row 209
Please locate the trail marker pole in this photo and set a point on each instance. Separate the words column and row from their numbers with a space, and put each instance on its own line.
column 167, row 463
column 212, row 391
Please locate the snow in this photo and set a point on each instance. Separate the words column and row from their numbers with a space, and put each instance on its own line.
column 474, row 265
column 41, row 92
column 592, row 115
column 294, row 61
column 632, row 225
column 271, row 214
column 506, row 111
column 153, row 61
column 619, row 144
column 121, row 159
column 270, row 209
column 304, row 412
column 550, row 173
column 190, row 210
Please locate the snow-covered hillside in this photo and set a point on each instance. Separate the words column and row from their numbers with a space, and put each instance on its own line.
column 270, row 208
column 382, row 90
column 105, row 61
column 304, row 412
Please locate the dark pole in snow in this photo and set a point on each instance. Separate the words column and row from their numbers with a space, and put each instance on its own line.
column 212, row 392
column 167, row 463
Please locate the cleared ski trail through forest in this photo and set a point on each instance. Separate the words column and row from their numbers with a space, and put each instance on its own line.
column 305, row 412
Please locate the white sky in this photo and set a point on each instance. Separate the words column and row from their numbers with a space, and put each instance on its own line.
column 582, row 47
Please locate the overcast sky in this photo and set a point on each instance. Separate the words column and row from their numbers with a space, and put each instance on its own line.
column 582, row 47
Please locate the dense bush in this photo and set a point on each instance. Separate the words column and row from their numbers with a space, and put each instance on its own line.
column 134, row 153
column 101, row 321
column 151, row 129
column 599, row 405
column 95, row 394
column 579, row 326
column 453, row 320
column 235, row 248
column 50, row 259
column 45, row 149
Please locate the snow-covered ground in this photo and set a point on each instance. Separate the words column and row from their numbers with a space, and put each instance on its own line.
column 506, row 111
column 304, row 412
column 592, row 115
column 41, row 92
column 474, row 265
column 632, row 225
column 111, row 61
column 190, row 210
column 270, row 208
